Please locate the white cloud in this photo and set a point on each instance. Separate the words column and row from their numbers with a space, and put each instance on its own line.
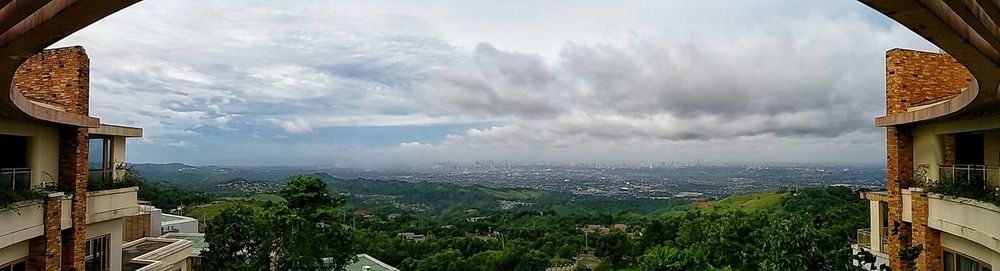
column 531, row 78
column 296, row 126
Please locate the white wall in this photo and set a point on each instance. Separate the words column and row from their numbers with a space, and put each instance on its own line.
column 14, row 252
column 185, row 225
column 970, row 249
column 43, row 148
column 114, row 228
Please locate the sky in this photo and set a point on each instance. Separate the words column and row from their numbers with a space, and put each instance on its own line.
column 384, row 83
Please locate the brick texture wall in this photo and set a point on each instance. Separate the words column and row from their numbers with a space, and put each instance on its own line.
column 899, row 174
column 61, row 77
column 45, row 252
column 930, row 257
column 73, row 172
column 57, row 76
column 135, row 227
column 915, row 78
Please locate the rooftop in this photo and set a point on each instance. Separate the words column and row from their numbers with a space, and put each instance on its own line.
column 172, row 218
column 197, row 241
column 116, row 130
column 367, row 260
column 149, row 252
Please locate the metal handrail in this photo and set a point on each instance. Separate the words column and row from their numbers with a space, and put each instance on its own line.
column 977, row 175
column 15, row 178
column 865, row 239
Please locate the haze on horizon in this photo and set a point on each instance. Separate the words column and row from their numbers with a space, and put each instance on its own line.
column 369, row 83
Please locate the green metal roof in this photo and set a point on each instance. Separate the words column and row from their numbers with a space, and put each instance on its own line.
column 366, row 260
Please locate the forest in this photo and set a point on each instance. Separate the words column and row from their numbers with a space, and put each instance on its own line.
column 800, row 229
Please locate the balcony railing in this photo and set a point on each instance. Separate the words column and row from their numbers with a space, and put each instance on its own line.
column 865, row 240
column 16, row 178
column 986, row 177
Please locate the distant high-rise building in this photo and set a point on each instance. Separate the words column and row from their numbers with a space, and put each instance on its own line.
column 943, row 141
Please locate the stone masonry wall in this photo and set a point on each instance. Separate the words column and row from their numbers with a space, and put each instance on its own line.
column 45, row 252
column 57, row 76
column 73, row 171
column 135, row 227
column 899, row 174
column 61, row 77
column 930, row 257
column 916, row 77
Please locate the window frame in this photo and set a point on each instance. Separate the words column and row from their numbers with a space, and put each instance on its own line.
column 9, row 266
column 956, row 261
column 104, row 265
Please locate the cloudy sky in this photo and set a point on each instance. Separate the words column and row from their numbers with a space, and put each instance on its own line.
column 374, row 83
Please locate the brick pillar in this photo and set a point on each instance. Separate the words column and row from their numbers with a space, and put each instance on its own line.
column 899, row 175
column 44, row 252
column 930, row 258
column 949, row 149
column 73, row 172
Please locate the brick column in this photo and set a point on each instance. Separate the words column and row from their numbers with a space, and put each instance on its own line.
column 930, row 258
column 73, row 172
column 44, row 252
column 899, row 175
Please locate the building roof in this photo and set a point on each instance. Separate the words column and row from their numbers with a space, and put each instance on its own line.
column 368, row 260
column 148, row 251
column 116, row 130
column 960, row 29
column 27, row 27
column 197, row 241
column 175, row 218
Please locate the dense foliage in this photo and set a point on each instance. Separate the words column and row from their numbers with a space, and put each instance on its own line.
column 300, row 235
column 803, row 229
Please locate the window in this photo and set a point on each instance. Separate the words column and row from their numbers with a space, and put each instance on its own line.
column 97, row 254
column 19, row 265
column 100, row 158
column 957, row 262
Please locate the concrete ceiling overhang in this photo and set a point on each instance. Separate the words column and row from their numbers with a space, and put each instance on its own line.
column 965, row 29
column 29, row 26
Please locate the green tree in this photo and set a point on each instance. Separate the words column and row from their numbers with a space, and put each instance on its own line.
column 302, row 235
column 233, row 237
column 614, row 247
column 667, row 258
column 793, row 244
column 308, row 235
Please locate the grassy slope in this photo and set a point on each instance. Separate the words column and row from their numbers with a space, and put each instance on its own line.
column 765, row 201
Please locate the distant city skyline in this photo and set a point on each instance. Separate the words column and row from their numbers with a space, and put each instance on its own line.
column 376, row 83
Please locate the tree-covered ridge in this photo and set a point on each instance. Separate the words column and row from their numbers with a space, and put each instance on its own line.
column 804, row 229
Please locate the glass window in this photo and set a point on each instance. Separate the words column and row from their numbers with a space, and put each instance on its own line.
column 100, row 160
column 96, row 153
column 966, row 264
column 97, row 254
column 19, row 265
column 949, row 261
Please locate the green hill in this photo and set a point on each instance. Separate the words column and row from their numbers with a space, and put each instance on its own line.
column 772, row 201
column 766, row 201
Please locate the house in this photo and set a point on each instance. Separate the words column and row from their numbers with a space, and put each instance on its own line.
column 67, row 202
column 411, row 236
column 943, row 141
column 366, row 262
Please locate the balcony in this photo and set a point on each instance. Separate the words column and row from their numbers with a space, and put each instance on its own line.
column 18, row 179
column 865, row 240
column 982, row 177
column 113, row 203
